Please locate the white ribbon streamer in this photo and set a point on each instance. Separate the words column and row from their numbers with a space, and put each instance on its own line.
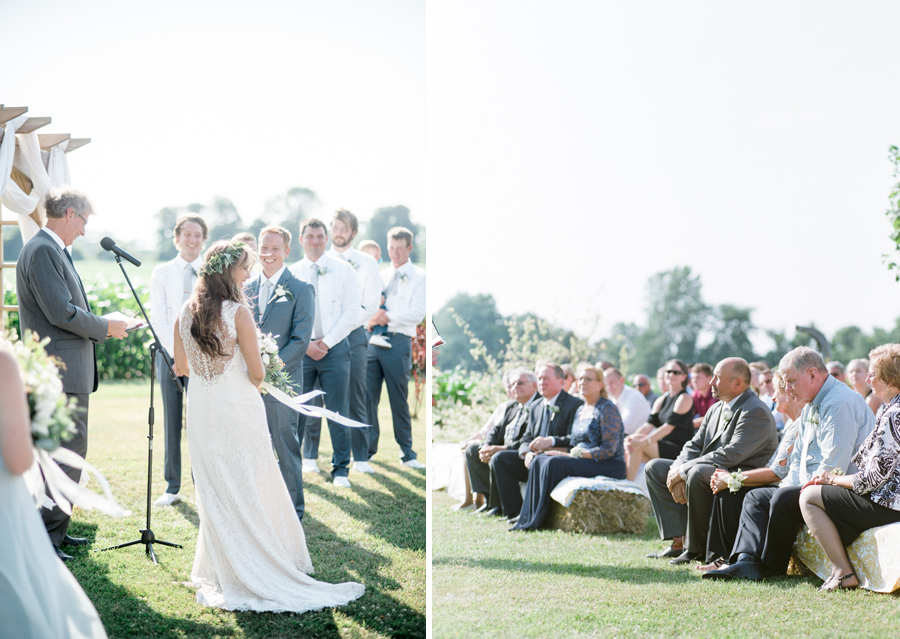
column 299, row 405
column 65, row 492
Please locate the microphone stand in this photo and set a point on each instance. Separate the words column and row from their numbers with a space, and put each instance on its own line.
column 147, row 536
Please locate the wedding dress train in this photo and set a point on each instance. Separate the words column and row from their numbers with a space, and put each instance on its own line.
column 251, row 550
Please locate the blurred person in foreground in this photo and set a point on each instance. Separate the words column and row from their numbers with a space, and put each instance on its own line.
column 39, row 597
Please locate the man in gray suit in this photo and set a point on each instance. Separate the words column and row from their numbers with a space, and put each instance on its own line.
column 52, row 303
column 284, row 306
column 738, row 431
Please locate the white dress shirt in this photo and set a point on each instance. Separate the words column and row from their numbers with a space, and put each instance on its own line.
column 633, row 407
column 337, row 299
column 273, row 284
column 166, row 297
column 366, row 270
column 406, row 302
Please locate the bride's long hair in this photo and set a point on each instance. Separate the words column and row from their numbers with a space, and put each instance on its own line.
column 213, row 289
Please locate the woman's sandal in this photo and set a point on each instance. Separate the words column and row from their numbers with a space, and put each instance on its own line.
column 714, row 565
column 840, row 583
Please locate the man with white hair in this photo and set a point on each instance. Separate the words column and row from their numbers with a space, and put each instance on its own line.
column 833, row 424
column 633, row 407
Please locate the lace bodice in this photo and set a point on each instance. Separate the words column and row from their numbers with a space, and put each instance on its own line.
column 204, row 367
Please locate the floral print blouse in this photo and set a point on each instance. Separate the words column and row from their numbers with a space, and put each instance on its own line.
column 878, row 459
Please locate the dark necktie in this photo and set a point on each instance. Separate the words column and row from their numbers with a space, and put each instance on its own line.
column 545, row 420
column 77, row 278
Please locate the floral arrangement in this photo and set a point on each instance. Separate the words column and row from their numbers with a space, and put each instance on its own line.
column 280, row 291
column 49, row 408
column 275, row 373
column 577, row 451
column 735, row 481
column 321, row 270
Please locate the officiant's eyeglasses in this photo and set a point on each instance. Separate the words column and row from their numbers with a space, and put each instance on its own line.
column 83, row 218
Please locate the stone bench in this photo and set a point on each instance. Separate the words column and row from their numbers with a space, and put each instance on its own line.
column 598, row 505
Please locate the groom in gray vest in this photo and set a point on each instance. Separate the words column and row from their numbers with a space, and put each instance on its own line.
column 285, row 307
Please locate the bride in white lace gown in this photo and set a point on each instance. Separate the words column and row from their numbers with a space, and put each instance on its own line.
column 251, row 550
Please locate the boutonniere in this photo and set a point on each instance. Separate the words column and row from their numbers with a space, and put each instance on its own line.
column 281, row 291
column 321, row 270
column 553, row 409
column 355, row 265
column 727, row 415
column 813, row 416
column 403, row 276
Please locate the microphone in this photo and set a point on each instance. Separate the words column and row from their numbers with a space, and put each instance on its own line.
column 109, row 244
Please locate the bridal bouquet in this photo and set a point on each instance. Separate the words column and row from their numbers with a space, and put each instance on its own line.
column 275, row 373
column 49, row 408
column 51, row 413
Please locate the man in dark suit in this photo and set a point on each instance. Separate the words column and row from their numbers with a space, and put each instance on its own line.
column 549, row 426
column 284, row 306
column 738, row 431
column 506, row 434
column 52, row 303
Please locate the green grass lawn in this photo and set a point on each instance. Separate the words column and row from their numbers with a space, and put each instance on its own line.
column 487, row 582
column 373, row 533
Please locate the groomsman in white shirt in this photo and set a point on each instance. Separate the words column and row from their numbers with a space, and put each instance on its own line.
column 404, row 286
column 344, row 227
column 327, row 358
column 170, row 287
column 633, row 407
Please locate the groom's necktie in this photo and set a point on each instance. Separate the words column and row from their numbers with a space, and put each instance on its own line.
column 265, row 292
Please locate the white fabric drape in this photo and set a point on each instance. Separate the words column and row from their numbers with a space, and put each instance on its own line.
column 11, row 196
column 30, row 156
column 59, row 165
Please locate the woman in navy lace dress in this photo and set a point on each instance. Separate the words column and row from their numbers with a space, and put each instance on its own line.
column 839, row 508
column 595, row 447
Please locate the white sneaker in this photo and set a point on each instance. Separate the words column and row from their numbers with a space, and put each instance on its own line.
column 167, row 499
column 380, row 340
column 309, row 466
column 342, row 482
column 414, row 463
column 363, row 467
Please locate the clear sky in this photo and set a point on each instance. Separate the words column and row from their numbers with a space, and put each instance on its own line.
column 576, row 148
column 187, row 100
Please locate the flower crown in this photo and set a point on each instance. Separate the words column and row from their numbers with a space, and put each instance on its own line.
column 220, row 261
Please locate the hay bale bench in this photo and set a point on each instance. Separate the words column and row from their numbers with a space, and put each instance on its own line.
column 875, row 556
column 598, row 505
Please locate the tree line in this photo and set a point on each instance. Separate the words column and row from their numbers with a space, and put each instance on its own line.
column 679, row 324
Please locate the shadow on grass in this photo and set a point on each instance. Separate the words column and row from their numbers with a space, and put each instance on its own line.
column 125, row 614
column 336, row 561
column 631, row 574
column 398, row 517
column 415, row 477
column 188, row 512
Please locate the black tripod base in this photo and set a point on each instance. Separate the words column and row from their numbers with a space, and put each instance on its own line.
column 148, row 539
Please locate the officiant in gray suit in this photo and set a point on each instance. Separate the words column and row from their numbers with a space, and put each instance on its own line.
column 52, row 303
column 737, row 432
column 284, row 306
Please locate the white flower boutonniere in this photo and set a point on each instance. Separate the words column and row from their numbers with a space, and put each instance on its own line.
column 727, row 415
column 553, row 409
column 355, row 265
column 403, row 277
column 321, row 270
column 281, row 291
column 813, row 417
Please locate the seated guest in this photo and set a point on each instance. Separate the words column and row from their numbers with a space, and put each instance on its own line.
column 726, row 506
column 569, row 382
column 833, row 425
column 739, row 432
column 476, row 438
column 767, row 395
column 642, row 384
column 836, row 370
column 596, row 447
column 632, row 406
column 661, row 381
column 505, row 433
column 670, row 426
column 701, row 376
column 549, row 425
column 857, row 373
column 839, row 508
column 603, row 365
column 756, row 368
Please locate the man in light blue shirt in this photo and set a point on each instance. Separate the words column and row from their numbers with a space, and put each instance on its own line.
column 833, row 425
